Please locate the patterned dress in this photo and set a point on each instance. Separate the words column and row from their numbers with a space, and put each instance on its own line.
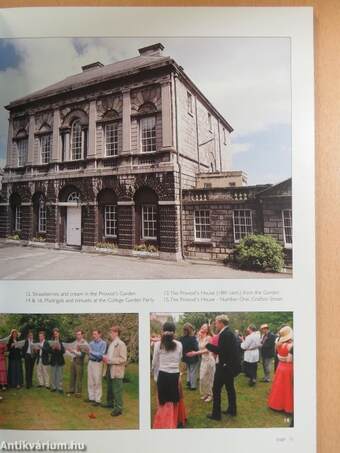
column 3, row 371
column 207, row 368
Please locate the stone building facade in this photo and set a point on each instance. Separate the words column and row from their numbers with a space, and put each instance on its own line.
column 216, row 219
column 110, row 156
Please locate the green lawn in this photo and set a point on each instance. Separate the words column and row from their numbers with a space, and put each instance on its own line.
column 38, row 408
column 252, row 408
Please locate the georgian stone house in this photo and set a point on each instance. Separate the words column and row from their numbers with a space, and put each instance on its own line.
column 118, row 154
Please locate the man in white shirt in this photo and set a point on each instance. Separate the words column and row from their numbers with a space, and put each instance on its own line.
column 251, row 346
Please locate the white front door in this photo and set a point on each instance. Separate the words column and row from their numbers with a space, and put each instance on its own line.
column 73, row 231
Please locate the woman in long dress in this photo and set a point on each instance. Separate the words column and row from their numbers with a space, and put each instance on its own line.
column 3, row 372
column 15, row 373
column 171, row 413
column 207, row 366
column 281, row 397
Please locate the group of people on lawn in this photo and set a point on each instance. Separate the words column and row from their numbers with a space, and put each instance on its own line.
column 215, row 360
column 48, row 358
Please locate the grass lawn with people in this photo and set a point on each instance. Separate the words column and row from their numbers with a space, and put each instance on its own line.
column 39, row 408
column 252, row 409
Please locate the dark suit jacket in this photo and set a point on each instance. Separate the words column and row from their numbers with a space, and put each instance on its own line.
column 25, row 348
column 227, row 351
column 189, row 343
column 45, row 356
column 268, row 347
column 57, row 356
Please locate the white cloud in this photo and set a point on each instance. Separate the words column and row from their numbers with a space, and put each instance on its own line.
column 247, row 79
column 237, row 148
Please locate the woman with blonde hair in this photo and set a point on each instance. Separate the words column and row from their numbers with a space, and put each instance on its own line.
column 207, row 366
column 166, row 360
column 281, row 397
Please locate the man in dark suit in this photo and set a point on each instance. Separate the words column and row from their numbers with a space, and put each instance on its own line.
column 267, row 350
column 29, row 358
column 227, row 367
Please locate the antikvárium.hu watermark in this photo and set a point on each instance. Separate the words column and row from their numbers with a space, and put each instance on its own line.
column 25, row 445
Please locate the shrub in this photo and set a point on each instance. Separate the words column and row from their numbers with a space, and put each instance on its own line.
column 15, row 236
column 259, row 252
column 146, row 248
column 106, row 245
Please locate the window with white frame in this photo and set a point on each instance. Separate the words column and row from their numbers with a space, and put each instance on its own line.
column 202, row 225
column 76, row 141
column 110, row 221
column 148, row 134
column 189, row 101
column 149, row 222
column 111, row 139
column 287, row 227
column 22, row 147
column 17, row 218
column 243, row 224
column 42, row 218
column 46, row 148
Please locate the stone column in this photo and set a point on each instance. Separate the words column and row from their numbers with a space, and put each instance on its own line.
column 91, row 147
column 126, row 123
column 56, row 145
column 126, row 224
column 10, row 158
column 168, row 228
column 167, row 133
column 30, row 152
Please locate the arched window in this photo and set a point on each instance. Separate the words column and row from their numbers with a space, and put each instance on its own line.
column 111, row 139
column 76, row 141
column 147, row 221
column 108, row 222
column 148, row 134
column 22, row 148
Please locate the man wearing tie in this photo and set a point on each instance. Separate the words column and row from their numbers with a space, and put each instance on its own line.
column 227, row 367
column 29, row 358
column 43, row 362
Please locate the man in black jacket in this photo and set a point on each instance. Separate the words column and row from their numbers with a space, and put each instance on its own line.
column 43, row 361
column 267, row 350
column 29, row 358
column 227, row 367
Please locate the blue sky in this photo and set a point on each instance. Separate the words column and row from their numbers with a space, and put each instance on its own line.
column 247, row 79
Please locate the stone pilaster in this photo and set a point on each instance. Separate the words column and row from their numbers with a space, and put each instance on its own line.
column 126, row 122
column 10, row 158
column 91, row 149
column 126, row 225
column 30, row 151
column 167, row 132
column 56, row 141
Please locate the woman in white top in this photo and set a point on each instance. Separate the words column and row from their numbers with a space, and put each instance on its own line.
column 251, row 346
column 207, row 365
column 166, row 360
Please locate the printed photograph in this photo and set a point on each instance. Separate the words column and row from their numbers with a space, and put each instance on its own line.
column 222, row 370
column 139, row 158
column 69, row 371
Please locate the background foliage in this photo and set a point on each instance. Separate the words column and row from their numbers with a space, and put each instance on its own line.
column 68, row 324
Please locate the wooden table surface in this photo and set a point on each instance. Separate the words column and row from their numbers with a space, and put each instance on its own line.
column 327, row 64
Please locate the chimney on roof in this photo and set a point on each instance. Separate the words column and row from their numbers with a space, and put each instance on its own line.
column 95, row 65
column 155, row 50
